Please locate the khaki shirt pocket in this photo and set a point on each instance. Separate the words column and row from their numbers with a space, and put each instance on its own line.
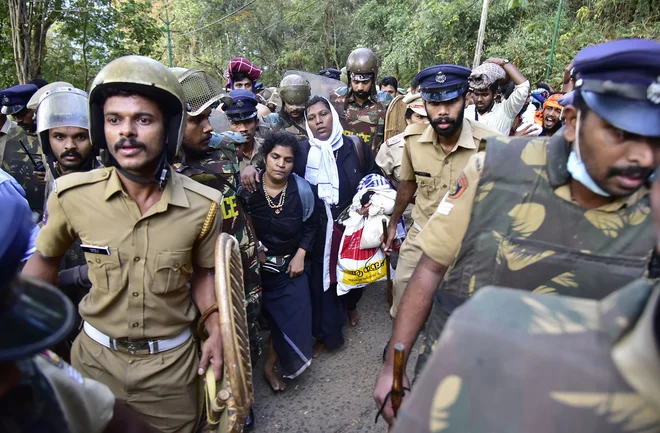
column 105, row 270
column 173, row 269
column 426, row 186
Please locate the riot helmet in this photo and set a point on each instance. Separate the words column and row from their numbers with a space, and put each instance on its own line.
column 58, row 107
column 295, row 90
column 150, row 78
column 200, row 90
column 362, row 65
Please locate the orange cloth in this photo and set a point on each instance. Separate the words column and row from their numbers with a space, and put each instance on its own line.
column 552, row 101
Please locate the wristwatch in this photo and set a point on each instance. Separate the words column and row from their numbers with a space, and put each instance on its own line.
column 260, row 247
column 506, row 62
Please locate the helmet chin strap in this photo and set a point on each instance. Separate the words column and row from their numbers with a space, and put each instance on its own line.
column 160, row 176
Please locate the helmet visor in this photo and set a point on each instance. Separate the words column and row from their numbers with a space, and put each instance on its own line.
column 202, row 91
column 65, row 106
column 34, row 316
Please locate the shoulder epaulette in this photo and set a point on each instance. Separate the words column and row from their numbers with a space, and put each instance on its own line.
column 73, row 180
column 415, row 129
column 394, row 140
column 203, row 190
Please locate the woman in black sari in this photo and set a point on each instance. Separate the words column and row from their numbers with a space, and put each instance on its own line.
column 285, row 220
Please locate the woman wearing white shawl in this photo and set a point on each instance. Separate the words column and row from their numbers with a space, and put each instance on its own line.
column 334, row 165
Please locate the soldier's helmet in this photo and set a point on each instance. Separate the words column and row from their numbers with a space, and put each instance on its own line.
column 362, row 61
column 201, row 91
column 58, row 107
column 295, row 90
column 34, row 315
column 143, row 76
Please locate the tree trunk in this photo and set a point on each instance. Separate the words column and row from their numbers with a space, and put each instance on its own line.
column 30, row 21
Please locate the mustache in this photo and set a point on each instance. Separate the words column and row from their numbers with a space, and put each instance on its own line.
column 439, row 120
column 362, row 93
column 630, row 171
column 70, row 152
column 132, row 141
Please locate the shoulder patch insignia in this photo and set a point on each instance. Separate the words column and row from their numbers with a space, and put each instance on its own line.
column 459, row 187
column 56, row 361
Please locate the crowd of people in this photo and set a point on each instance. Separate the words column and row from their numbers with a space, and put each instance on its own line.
column 117, row 197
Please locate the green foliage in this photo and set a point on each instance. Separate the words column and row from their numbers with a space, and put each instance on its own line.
column 313, row 34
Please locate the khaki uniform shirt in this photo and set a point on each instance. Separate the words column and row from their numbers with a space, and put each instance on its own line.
column 425, row 162
column 3, row 137
column 442, row 236
column 389, row 158
column 140, row 290
column 252, row 158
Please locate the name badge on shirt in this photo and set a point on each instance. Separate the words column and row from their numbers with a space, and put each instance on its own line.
column 95, row 249
column 422, row 173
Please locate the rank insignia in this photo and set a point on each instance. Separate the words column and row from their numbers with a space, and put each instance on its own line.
column 458, row 187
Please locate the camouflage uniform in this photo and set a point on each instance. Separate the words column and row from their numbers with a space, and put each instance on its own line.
column 219, row 170
column 19, row 165
column 525, row 232
column 518, row 362
column 297, row 129
column 366, row 121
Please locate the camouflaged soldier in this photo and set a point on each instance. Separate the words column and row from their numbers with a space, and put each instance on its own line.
column 149, row 238
column 210, row 159
column 295, row 92
column 22, row 156
column 359, row 111
column 600, row 376
column 567, row 214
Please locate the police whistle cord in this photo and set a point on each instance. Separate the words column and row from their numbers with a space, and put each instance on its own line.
column 387, row 396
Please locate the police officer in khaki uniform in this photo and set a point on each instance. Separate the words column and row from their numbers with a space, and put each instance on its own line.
column 38, row 391
column 433, row 157
column 149, row 280
column 391, row 153
column 565, row 215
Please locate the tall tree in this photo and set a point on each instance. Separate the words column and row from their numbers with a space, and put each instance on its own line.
column 30, row 21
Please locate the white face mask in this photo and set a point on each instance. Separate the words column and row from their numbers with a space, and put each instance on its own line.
column 577, row 168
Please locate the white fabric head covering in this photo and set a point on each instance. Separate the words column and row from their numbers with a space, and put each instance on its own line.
column 321, row 167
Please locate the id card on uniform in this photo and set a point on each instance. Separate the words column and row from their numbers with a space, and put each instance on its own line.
column 95, row 249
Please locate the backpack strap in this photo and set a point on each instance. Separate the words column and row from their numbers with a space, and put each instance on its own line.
column 358, row 148
column 306, row 196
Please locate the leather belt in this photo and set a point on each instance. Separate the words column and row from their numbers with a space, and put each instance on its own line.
column 136, row 347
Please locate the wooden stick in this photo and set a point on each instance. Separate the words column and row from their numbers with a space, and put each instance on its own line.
column 397, row 382
column 390, row 294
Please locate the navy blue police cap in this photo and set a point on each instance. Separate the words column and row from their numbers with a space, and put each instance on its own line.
column 443, row 82
column 15, row 98
column 620, row 81
column 244, row 106
column 34, row 315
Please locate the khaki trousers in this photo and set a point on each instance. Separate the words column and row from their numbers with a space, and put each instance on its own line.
column 162, row 388
column 409, row 256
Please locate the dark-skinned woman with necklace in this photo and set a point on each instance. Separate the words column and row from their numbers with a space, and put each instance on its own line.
column 285, row 219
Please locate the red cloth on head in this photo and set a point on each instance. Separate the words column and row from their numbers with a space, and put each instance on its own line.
column 241, row 64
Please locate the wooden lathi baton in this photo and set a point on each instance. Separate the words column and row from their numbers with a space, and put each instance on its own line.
column 397, row 382
column 390, row 294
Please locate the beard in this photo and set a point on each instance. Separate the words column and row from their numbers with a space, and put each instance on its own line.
column 456, row 124
column 362, row 94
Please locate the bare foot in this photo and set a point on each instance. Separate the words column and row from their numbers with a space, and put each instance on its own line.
column 317, row 349
column 354, row 317
column 274, row 380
